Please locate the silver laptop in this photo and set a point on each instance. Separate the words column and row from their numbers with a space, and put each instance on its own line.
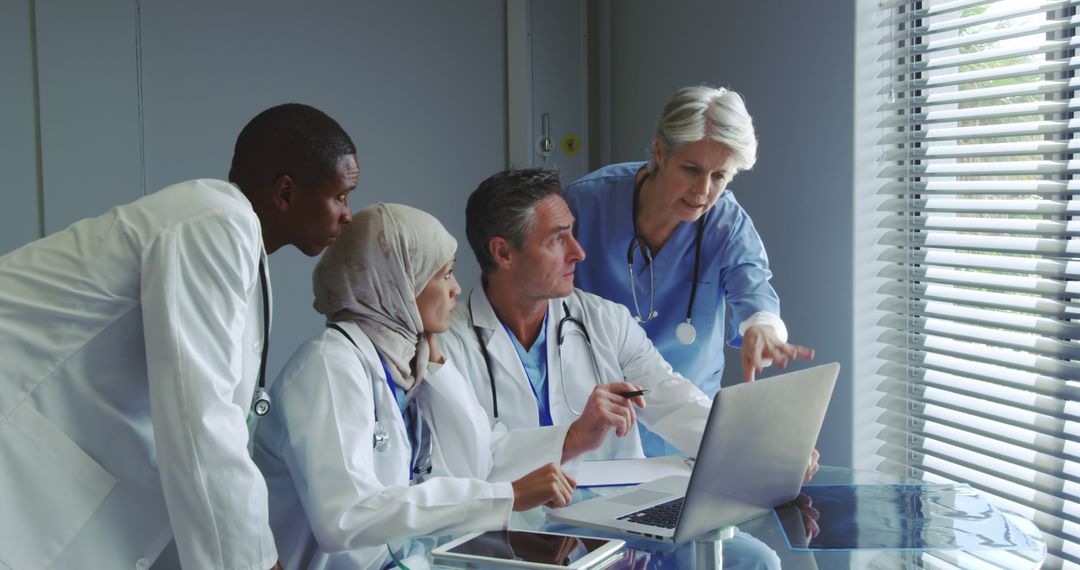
column 753, row 457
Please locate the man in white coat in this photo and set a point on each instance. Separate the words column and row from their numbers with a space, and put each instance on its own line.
column 131, row 346
column 535, row 348
column 538, row 351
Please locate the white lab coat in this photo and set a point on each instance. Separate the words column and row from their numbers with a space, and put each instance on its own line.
column 334, row 499
column 675, row 408
column 130, row 346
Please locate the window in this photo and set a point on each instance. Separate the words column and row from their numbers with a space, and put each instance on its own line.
column 978, row 254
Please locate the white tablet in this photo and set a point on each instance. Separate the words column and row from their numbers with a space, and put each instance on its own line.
column 529, row 549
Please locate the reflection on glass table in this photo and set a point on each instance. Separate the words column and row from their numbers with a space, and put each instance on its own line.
column 1029, row 552
column 762, row 543
column 897, row 517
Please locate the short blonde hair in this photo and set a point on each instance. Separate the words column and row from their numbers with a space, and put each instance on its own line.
column 702, row 112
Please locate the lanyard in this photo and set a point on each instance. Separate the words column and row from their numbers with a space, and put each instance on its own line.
column 390, row 382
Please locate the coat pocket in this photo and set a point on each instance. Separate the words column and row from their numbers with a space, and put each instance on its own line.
column 50, row 487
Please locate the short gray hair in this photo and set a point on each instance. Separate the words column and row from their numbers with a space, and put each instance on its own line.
column 504, row 206
column 703, row 112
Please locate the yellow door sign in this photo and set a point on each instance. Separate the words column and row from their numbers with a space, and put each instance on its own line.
column 570, row 145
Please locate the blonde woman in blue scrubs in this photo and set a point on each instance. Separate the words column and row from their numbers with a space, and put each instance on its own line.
column 667, row 239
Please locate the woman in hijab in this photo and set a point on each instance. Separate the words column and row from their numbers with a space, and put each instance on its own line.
column 375, row 437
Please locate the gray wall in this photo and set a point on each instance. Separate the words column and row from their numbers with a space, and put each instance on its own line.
column 106, row 101
column 20, row 215
column 88, row 96
column 135, row 96
column 795, row 73
column 418, row 85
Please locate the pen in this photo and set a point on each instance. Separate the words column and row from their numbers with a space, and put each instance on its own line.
column 633, row 394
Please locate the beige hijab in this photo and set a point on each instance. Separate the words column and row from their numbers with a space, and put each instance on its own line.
column 372, row 275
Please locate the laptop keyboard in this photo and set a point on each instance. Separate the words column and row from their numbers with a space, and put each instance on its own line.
column 664, row 515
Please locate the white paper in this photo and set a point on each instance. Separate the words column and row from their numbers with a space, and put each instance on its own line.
column 629, row 471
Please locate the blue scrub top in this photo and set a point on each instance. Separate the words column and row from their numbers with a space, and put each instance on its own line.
column 534, row 361
column 734, row 270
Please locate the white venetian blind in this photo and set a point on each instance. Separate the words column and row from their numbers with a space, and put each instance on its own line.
column 981, row 373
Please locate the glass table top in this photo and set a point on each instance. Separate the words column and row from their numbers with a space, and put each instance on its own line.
column 761, row 543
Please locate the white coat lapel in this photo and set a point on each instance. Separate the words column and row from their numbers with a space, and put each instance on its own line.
column 385, row 408
column 560, row 414
column 514, row 391
column 570, row 392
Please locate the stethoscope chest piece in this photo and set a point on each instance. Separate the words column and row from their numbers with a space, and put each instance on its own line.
column 381, row 439
column 685, row 333
column 261, row 407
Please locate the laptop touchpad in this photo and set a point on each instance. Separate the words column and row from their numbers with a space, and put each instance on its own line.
column 640, row 497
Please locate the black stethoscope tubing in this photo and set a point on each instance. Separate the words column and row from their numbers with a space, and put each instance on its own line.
column 647, row 251
column 567, row 318
column 487, row 362
column 261, row 405
column 380, row 438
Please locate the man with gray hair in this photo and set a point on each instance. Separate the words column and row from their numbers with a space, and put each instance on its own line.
column 538, row 351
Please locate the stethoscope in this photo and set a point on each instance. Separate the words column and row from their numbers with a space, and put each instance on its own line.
column 380, row 440
column 261, row 406
column 685, row 332
column 560, row 338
